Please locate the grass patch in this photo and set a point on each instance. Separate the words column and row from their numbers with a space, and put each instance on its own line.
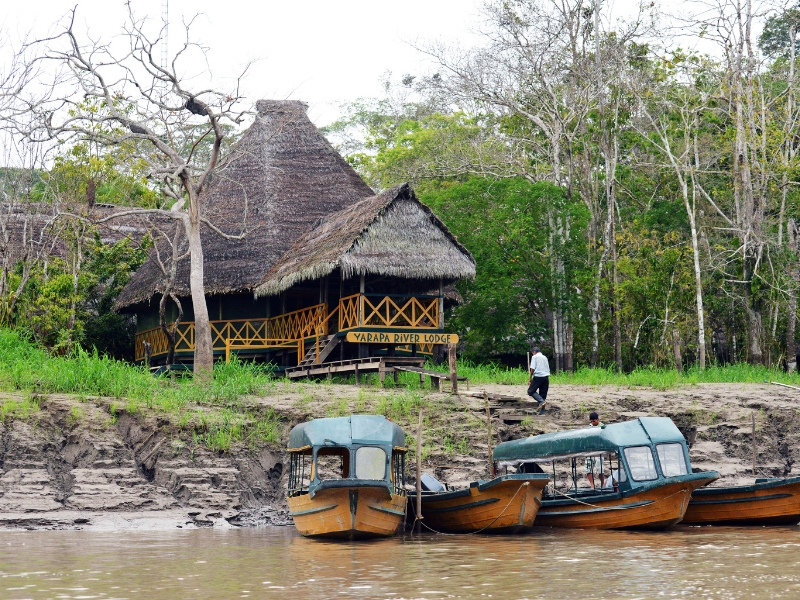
column 219, row 423
column 11, row 408
column 655, row 377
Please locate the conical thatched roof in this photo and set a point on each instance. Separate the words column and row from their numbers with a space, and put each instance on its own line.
column 391, row 234
column 277, row 181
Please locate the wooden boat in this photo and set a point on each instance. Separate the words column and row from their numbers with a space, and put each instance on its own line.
column 652, row 483
column 506, row 504
column 767, row 502
column 346, row 477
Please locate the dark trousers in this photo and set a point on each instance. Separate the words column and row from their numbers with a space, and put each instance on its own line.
column 539, row 384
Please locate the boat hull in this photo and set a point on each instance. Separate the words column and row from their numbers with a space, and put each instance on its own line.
column 348, row 513
column 654, row 507
column 774, row 502
column 506, row 504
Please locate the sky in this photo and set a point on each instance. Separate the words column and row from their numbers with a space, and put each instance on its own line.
column 322, row 52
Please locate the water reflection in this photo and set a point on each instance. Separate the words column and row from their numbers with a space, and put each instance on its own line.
column 276, row 562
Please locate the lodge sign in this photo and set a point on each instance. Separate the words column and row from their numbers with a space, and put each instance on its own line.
column 372, row 337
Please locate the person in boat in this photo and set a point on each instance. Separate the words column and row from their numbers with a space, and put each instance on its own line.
column 612, row 481
column 592, row 462
column 538, row 377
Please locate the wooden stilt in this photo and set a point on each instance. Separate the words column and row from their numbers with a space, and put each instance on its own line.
column 753, row 418
column 451, row 354
column 419, row 473
column 489, row 431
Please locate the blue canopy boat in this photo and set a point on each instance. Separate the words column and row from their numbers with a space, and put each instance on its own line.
column 650, row 487
column 347, row 477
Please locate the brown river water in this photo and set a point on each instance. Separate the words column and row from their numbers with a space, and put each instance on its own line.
column 275, row 562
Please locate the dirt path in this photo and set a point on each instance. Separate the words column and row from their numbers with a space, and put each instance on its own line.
column 76, row 463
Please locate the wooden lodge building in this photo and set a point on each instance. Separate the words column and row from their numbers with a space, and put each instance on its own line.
column 323, row 256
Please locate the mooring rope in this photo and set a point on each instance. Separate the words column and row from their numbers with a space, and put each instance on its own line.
column 422, row 521
column 615, row 507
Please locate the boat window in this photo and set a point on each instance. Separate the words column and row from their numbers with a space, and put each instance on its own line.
column 640, row 463
column 332, row 463
column 673, row 462
column 370, row 463
column 570, row 475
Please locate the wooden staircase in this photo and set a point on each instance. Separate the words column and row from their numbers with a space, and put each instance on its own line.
column 326, row 346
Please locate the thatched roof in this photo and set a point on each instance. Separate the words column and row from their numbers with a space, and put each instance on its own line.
column 277, row 181
column 391, row 234
column 34, row 229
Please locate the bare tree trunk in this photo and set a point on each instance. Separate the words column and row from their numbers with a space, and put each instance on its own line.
column 203, row 346
column 791, row 316
column 676, row 349
column 615, row 302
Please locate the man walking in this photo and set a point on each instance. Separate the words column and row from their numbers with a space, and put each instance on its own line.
column 538, row 377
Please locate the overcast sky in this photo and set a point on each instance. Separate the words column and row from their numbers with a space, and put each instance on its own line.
column 321, row 51
column 324, row 52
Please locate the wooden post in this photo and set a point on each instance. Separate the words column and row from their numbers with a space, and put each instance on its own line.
column 451, row 355
column 419, row 473
column 358, row 376
column 753, row 416
column 441, row 304
column 361, row 288
column 676, row 349
column 489, row 431
column 148, row 353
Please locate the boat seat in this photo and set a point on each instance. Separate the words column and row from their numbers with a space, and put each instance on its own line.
column 430, row 483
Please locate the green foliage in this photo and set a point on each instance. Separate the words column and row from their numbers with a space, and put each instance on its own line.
column 775, row 39
column 221, row 421
column 12, row 408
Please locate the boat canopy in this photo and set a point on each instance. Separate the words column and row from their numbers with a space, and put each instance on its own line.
column 589, row 441
column 355, row 430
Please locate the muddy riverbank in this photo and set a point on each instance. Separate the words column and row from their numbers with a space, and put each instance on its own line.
column 88, row 463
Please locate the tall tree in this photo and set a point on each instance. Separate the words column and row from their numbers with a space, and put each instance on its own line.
column 127, row 96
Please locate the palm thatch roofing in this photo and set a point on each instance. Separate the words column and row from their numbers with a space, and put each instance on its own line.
column 391, row 234
column 279, row 179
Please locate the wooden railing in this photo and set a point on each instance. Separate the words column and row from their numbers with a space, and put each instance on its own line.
column 285, row 330
column 294, row 328
column 396, row 312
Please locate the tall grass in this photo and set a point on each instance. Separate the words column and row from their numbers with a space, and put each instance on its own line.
column 27, row 368
column 643, row 376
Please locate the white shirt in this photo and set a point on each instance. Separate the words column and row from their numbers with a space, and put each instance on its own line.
column 540, row 365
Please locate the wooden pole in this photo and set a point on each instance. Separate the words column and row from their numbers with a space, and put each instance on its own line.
column 794, row 387
column 753, row 416
column 528, row 368
column 489, row 431
column 451, row 351
column 418, row 524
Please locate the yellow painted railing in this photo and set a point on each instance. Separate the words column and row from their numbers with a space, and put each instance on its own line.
column 285, row 330
column 292, row 329
column 399, row 312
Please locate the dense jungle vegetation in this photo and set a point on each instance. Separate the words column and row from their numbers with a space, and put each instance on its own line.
column 630, row 203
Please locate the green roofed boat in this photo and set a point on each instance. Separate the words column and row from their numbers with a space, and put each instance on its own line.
column 347, row 477
column 642, row 467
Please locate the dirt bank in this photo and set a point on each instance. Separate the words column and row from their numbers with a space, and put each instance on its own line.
column 85, row 463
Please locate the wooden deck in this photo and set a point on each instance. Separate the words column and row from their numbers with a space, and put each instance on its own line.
column 382, row 365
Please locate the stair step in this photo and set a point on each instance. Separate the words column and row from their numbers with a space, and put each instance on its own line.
column 311, row 355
